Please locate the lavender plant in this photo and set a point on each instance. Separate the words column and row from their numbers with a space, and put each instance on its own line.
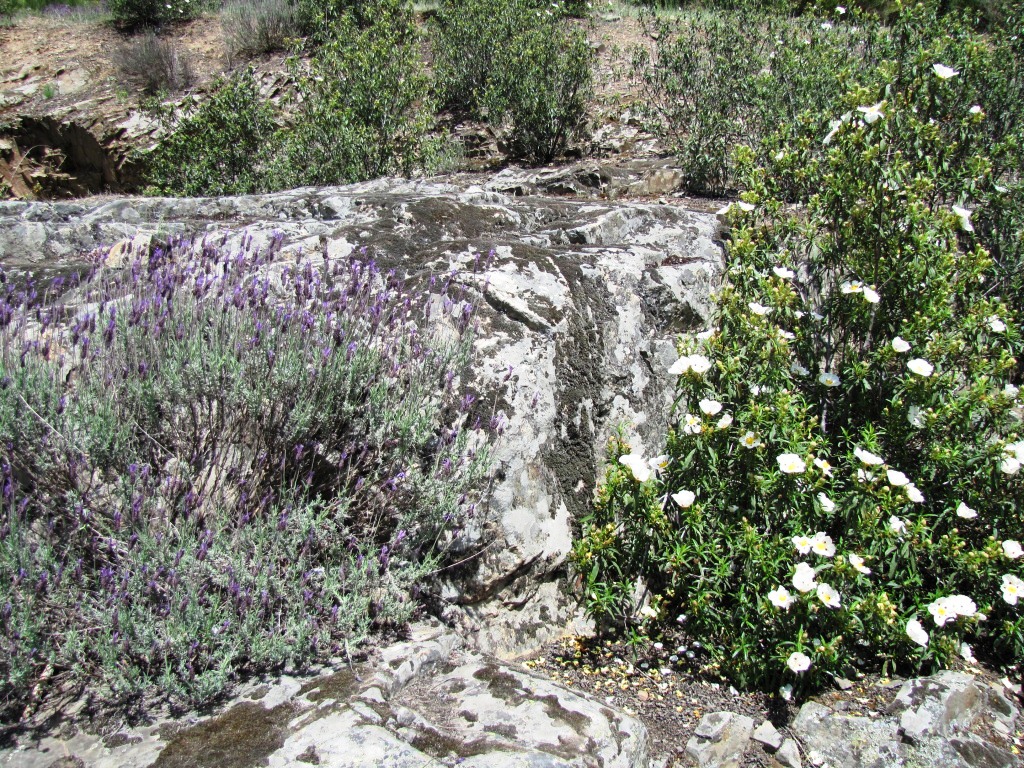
column 216, row 461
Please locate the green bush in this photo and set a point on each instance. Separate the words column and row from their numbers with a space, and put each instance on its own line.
column 218, row 147
column 517, row 65
column 541, row 89
column 139, row 14
column 841, row 487
column 718, row 80
column 254, row 27
column 216, row 462
column 364, row 110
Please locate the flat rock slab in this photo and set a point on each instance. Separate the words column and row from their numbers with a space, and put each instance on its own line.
column 428, row 701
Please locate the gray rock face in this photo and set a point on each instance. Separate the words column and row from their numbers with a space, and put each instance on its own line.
column 949, row 719
column 720, row 740
column 424, row 702
column 579, row 304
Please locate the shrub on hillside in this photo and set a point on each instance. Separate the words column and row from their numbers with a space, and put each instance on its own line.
column 139, row 14
column 215, row 462
column 517, row 65
column 541, row 91
column 842, row 484
column 221, row 146
column 154, row 65
column 254, row 27
column 718, row 80
column 364, row 109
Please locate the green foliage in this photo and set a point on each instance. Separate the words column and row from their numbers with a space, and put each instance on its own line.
column 319, row 18
column 718, row 80
column 254, row 27
column 518, row 65
column 139, row 14
column 217, row 147
column 364, row 110
column 850, row 432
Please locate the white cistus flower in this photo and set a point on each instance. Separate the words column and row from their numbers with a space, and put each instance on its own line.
column 790, row 463
column 710, row 407
column 964, row 214
column 684, row 498
column 943, row 72
column 872, row 113
column 917, row 633
column 966, row 512
column 798, row 662
column 780, row 598
column 827, row 505
column 921, row 367
column 803, row 578
column 1012, row 549
column 759, row 309
column 896, row 479
column 750, row 440
column 868, row 458
column 637, row 465
column 900, row 345
column 828, row 595
column 858, row 564
column 784, row 272
column 995, row 324
column 822, row 545
column 696, row 363
column 828, row 379
column 1012, row 588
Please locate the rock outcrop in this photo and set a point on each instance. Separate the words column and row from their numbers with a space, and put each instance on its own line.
column 428, row 701
column 579, row 306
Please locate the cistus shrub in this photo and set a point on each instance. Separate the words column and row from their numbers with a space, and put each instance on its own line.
column 140, row 14
column 541, row 89
column 214, row 462
column 364, row 108
column 715, row 81
column 517, row 65
column 841, row 487
column 255, row 27
column 220, row 146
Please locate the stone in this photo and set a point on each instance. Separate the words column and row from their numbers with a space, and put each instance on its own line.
column 720, row 740
column 949, row 719
column 767, row 734
column 788, row 754
column 454, row 706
